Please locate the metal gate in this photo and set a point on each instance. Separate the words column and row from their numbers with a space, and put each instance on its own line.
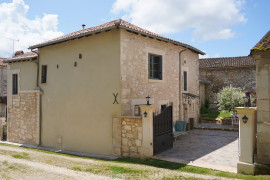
column 163, row 137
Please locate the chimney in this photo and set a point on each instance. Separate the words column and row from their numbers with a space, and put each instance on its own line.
column 83, row 25
column 18, row 53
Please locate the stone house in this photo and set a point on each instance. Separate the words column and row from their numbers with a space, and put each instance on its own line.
column 216, row 73
column 75, row 91
column 261, row 53
column 3, row 87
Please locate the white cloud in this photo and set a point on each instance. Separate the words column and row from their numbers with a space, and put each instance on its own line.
column 209, row 19
column 15, row 25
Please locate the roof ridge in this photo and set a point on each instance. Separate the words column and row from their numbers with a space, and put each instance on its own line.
column 225, row 57
column 118, row 23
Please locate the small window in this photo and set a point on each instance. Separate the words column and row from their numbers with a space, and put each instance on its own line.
column 14, row 84
column 137, row 110
column 155, row 67
column 185, row 80
column 44, row 74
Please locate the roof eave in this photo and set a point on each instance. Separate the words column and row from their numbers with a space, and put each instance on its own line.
column 71, row 38
column 112, row 27
column 19, row 60
column 163, row 39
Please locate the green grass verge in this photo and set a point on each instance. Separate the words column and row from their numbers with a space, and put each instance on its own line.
column 186, row 168
column 148, row 162
column 215, row 114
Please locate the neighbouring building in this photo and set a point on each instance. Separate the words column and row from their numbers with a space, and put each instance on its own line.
column 3, row 88
column 261, row 53
column 72, row 92
column 216, row 73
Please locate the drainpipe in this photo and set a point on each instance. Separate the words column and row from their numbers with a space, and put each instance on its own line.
column 41, row 90
column 180, row 75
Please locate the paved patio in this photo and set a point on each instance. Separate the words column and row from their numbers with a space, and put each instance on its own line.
column 213, row 149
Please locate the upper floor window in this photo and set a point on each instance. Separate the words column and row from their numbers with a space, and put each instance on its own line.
column 44, row 74
column 14, row 84
column 155, row 66
column 185, row 80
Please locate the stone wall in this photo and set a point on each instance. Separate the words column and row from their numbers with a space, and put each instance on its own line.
column 23, row 118
column 3, row 89
column 131, row 136
column 136, row 85
column 222, row 77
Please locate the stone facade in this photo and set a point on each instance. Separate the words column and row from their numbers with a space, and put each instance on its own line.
column 244, row 77
column 3, row 89
column 136, row 85
column 23, row 119
column 131, row 136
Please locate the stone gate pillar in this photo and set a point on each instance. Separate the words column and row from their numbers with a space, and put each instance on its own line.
column 147, row 125
column 247, row 139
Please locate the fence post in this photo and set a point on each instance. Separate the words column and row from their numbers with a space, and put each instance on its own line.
column 147, row 126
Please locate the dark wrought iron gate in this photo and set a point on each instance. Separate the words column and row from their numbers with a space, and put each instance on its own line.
column 163, row 137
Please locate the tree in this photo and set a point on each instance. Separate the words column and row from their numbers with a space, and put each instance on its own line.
column 229, row 98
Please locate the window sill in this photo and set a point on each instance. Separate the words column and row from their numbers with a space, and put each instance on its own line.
column 155, row 80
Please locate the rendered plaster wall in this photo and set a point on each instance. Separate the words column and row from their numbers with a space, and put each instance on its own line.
column 23, row 118
column 223, row 77
column 77, row 100
column 136, row 85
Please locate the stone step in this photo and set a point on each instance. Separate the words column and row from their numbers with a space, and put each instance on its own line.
column 213, row 126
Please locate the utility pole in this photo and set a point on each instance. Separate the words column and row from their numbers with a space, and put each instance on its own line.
column 13, row 41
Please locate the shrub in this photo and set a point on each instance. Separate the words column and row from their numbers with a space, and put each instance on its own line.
column 229, row 98
column 207, row 103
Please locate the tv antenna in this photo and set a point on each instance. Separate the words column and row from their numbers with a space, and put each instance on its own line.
column 13, row 41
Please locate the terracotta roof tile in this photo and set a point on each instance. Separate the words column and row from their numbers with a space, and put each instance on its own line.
column 2, row 62
column 263, row 44
column 22, row 57
column 110, row 25
column 226, row 62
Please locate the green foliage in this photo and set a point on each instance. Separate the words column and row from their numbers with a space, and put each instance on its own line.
column 229, row 98
column 216, row 114
column 207, row 103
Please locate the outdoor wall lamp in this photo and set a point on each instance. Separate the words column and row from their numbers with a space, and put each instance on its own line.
column 247, row 100
column 147, row 100
column 145, row 114
column 245, row 119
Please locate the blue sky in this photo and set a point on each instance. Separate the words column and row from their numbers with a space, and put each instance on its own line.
column 220, row 28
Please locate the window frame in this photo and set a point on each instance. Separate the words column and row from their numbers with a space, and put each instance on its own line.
column 15, row 85
column 44, row 70
column 151, row 70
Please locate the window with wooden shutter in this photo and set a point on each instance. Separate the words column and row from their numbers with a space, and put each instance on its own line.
column 185, row 80
column 14, row 84
column 44, row 74
column 155, row 66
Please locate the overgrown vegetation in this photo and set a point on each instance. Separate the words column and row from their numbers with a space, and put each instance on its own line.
column 206, row 112
column 229, row 98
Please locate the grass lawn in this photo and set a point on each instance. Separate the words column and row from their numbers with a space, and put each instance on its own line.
column 123, row 167
column 215, row 114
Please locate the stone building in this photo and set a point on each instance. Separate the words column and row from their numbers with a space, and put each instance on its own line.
column 216, row 73
column 261, row 52
column 3, row 87
column 73, row 93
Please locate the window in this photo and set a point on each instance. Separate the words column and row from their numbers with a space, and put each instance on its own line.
column 14, row 84
column 155, row 67
column 44, row 74
column 185, row 80
column 137, row 110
